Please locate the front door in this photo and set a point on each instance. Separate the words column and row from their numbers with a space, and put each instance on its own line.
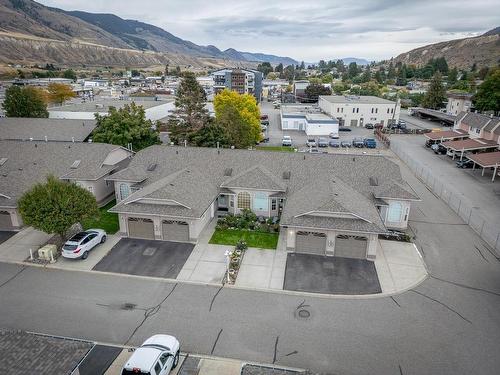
column 222, row 202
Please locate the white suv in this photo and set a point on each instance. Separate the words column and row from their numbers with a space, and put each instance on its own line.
column 81, row 243
column 158, row 355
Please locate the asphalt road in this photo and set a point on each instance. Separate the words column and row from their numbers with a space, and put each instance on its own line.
column 447, row 325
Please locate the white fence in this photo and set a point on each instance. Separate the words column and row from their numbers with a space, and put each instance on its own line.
column 487, row 230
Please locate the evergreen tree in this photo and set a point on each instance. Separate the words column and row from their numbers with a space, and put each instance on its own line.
column 436, row 94
column 391, row 74
column 314, row 90
column 265, row 68
column 452, row 76
column 353, row 70
column 190, row 114
column 25, row 102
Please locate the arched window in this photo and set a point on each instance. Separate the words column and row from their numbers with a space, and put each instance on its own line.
column 244, row 200
column 124, row 191
column 395, row 212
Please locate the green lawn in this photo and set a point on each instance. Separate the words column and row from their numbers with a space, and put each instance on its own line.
column 108, row 221
column 253, row 239
column 274, row 148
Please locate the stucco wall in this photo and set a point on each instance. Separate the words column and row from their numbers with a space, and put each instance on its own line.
column 100, row 188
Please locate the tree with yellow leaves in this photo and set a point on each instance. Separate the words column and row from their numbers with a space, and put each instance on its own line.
column 239, row 116
column 59, row 92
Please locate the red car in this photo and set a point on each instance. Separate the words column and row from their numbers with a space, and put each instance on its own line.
column 264, row 117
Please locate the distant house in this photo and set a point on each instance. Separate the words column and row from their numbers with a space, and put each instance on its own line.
column 23, row 164
column 328, row 204
column 352, row 110
column 458, row 102
column 45, row 129
column 154, row 109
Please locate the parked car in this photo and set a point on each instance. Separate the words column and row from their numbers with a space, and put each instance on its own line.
column 334, row 135
column 370, row 143
column 334, row 143
column 369, row 126
column 264, row 137
column 263, row 127
column 465, row 163
column 81, row 243
column 286, row 140
column 265, row 122
column 158, row 355
column 322, row 142
column 402, row 124
column 344, row 129
column 345, row 144
column 311, row 142
column 358, row 142
column 378, row 125
column 264, row 117
column 439, row 149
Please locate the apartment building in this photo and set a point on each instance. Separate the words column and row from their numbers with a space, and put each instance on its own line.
column 243, row 81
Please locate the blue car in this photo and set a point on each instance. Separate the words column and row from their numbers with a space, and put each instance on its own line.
column 370, row 143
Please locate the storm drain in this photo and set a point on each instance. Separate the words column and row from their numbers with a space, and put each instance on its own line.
column 149, row 251
column 128, row 306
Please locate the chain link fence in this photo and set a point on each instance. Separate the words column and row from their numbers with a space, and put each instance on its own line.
column 488, row 231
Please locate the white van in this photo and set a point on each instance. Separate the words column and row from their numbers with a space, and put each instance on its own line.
column 158, row 355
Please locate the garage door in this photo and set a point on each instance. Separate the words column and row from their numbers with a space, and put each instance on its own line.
column 310, row 242
column 5, row 221
column 350, row 247
column 175, row 230
column 141, row 228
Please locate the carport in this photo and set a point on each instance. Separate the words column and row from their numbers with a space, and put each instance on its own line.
column 470, row 145
column 449, row 135
column 486, row 160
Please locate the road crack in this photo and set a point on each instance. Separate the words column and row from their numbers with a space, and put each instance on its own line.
column 396, row 302
column 149, row 312
column 213, row 298
column 216, row 341
column 442, row 304
column 13, row 277
column 481, row 253
column 275, row 349
column 466, row 286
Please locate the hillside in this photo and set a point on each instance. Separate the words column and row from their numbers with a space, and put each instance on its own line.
column 484, row 50
column 20, row 20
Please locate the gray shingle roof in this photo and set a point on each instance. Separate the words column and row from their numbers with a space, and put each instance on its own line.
column 22, row 129
column 307, row 187
column 478, row 121
column 31, row 162
column 23, row 353
column 99, row 106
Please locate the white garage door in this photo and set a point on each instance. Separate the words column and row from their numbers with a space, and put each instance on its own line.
column 5, row 221
column 310, row 242
column 139, row 227
column 175, row 230
column 350, row 246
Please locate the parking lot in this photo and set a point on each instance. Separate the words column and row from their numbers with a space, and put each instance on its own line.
column 146, row 258
column 330, row 275
column 299, row 138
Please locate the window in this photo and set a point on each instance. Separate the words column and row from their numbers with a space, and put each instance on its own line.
column 338, row 110
column 273, row 205
column 124, row 191
column 158, row 368
column 243, row 200
column 342, row 110
column 163, row 358
column 260, row 202
column 376, row 110
column 372, row 110
column 357, row 110
column 395, row 211
column 387, row 110
column 353, row 110
column 392, row 110
column 91, row 189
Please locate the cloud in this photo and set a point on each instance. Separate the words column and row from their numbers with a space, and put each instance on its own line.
column 307, row 30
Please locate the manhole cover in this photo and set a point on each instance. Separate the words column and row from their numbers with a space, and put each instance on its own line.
column 128, row 306
column 304, row 314
column 149, row 251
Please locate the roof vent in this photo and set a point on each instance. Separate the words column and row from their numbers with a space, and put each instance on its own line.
column 373, row 181
column 3, row 161
column 286, row 175
column 75, row 164
column 228, row 171
column 152, row 167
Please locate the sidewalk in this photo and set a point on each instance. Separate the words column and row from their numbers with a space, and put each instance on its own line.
column 399, row 266
column 17, row 248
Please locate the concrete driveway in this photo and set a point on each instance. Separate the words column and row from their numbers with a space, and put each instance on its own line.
column 146, row 258
column 5, row 235
column 330, row 275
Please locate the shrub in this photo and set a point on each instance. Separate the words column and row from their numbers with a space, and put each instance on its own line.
column 241, row 245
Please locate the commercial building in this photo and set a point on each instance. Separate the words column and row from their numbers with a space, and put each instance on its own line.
column 327, row 204
column 309, row 119
column 23, row 164
column 359, row 110
column 243, row 81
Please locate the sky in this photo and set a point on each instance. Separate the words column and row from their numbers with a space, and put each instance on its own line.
column 307, row 30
